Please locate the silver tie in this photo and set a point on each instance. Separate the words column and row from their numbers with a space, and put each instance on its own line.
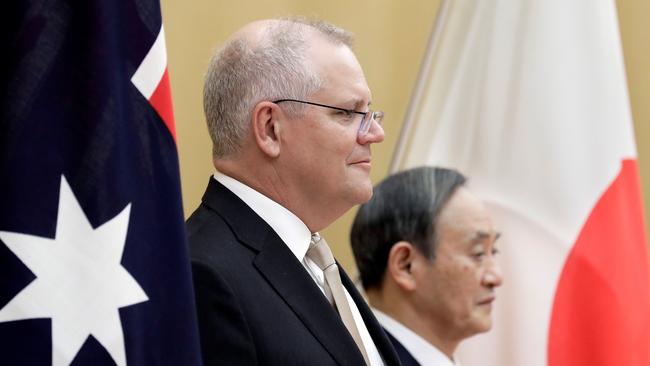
column 320, row 253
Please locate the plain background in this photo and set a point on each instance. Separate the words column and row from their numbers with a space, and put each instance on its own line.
column 390, row 40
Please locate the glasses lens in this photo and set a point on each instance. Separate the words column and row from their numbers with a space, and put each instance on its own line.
column 367, row 120
column 378, row 117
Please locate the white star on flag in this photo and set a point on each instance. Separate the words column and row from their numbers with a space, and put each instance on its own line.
column 80, row 283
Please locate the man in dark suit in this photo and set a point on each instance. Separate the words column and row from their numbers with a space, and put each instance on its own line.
column 425, row 247
column 287, row 107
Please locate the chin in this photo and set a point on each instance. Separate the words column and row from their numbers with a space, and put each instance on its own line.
column 364, row 195
column 483, row 325
column 357, row 191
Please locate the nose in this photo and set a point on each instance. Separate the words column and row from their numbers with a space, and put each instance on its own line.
column 374, row 135
column 492, row 277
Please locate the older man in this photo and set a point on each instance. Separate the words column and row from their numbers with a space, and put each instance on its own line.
column 425, row 249
column 287, row 107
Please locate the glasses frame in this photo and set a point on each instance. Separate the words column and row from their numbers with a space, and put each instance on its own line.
column 376, row 116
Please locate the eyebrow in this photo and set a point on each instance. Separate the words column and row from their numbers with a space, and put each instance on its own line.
column 481, row 235
column 358, row 103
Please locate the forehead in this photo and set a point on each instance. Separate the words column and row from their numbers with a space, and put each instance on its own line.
column 463, row 218
column 339, row 71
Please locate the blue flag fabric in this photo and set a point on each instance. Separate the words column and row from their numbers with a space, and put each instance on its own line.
column 94, row 267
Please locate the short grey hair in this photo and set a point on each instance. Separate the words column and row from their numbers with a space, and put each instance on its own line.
column 403, row 207
column 240, row 75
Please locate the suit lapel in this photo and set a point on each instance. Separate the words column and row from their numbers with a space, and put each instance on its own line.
column 404, row 355
column 297, row 288
column 377, row 333
column 285, row 274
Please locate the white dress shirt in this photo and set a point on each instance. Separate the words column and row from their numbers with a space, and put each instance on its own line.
column 424, row 352
column 295, row 234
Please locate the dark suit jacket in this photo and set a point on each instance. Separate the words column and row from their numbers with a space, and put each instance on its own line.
column 404, row 355
column 257, row 305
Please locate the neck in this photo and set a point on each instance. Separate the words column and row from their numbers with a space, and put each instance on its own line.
column 264, row 179
column 399, row 307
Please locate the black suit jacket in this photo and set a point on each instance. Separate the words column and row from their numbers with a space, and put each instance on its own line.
column 404, row 355
column 257, row 305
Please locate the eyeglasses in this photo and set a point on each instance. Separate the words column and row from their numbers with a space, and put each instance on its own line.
column 366, row 121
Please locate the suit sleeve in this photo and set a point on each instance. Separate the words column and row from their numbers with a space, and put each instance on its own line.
column 225, row 335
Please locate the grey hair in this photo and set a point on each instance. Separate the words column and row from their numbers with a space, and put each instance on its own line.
column 241, row 75
column 403, row 207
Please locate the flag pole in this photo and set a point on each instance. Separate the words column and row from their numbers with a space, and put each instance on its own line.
column 432, row 46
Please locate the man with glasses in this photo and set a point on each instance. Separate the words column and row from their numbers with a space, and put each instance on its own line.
column 287, row 107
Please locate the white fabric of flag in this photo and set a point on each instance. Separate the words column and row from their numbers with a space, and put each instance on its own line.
column 529, row 100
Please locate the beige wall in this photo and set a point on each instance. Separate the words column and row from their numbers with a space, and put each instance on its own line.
column 390, row 37
column 635, row 33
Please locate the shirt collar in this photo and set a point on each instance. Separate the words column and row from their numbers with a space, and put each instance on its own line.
column 288, row 226
column 424, row 352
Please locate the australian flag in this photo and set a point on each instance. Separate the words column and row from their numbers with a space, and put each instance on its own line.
column 94, row 267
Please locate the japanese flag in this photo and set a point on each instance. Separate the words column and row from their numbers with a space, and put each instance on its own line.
column 529, row 100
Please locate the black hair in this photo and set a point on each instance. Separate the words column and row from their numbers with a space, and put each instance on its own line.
column 404, row 207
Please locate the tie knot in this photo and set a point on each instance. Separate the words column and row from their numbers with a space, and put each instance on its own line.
column 320, row 252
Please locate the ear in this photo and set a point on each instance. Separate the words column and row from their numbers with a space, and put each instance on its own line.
column 266, row 127
column 400, row 261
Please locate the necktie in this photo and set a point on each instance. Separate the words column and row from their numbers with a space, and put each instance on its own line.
column 320, row 253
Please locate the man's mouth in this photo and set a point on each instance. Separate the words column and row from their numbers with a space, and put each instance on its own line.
column 487, row 301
